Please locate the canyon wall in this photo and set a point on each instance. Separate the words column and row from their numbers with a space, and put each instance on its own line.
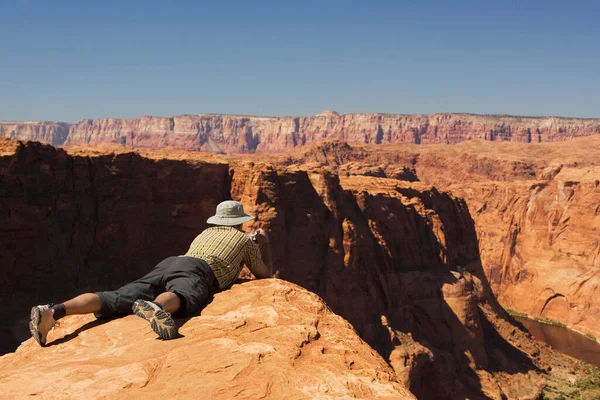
column 540, row 244
column 536, row 210
column 71, row 224
column 83, row 222
column 249, row 134
column 54, row 133
column 398, row 260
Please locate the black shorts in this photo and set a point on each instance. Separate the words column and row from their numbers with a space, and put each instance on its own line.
column 189, row 277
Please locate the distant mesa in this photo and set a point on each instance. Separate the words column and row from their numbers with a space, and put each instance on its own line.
column 254, row 134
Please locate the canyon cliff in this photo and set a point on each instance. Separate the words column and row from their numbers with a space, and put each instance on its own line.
column 250, row 134
column 540, row 244
column 398, row 260
column 536, row 210
column 54, row 133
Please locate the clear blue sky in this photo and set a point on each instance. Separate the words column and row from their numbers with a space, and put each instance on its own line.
column 72, row 59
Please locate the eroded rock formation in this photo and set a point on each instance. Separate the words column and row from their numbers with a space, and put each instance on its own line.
column 540, row 244
column 260, row 339
column 535, row 207
column 54, row 133
column 249, row 134
column 398, row 260
column 80, row 222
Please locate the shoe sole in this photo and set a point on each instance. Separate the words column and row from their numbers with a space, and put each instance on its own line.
column 160, row 321
column 143, row 310
column 34, row 321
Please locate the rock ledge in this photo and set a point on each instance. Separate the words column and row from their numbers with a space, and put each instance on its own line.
column 267, row 338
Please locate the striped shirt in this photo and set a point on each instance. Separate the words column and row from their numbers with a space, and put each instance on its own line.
column 226, row 250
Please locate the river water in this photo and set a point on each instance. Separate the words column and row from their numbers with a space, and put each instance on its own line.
column 564, row 340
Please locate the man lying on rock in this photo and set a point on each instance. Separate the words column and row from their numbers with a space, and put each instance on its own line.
column 178, row 286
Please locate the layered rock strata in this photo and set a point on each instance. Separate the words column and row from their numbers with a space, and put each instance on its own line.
column 70, row 224
column 535, row 207
column 54, row 133
column 398, row 260
column 540, row 243
column 249, row 134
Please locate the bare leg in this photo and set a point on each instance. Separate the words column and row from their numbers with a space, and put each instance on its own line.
column 83, row 304
column 43, row 317
column 168, row 301
column 90, row 303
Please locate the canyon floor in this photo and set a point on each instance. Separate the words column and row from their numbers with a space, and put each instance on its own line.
column 417, row 246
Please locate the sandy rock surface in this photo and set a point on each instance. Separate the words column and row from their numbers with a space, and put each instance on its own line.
column 260, row 339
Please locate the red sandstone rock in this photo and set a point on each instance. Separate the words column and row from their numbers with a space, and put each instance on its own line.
column 384, row 254
column 259, row 339
column 535, row 208
column 540, row 244
column 243, row 134
column 71, row 224
column 400, row 261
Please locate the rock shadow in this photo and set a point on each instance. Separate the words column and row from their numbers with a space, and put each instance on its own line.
column 390, row 266
column 76, row 332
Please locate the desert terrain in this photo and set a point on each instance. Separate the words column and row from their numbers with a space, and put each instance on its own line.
column 419, row 247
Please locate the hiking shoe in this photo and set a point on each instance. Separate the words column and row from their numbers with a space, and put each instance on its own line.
column 41, row 322
column 161, row 321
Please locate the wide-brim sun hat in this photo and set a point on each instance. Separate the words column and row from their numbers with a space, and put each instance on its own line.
column 230, row 213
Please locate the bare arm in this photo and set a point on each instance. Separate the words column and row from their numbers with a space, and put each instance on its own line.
column 261, row 267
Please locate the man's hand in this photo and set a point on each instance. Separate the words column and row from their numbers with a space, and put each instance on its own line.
column 260, row 237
